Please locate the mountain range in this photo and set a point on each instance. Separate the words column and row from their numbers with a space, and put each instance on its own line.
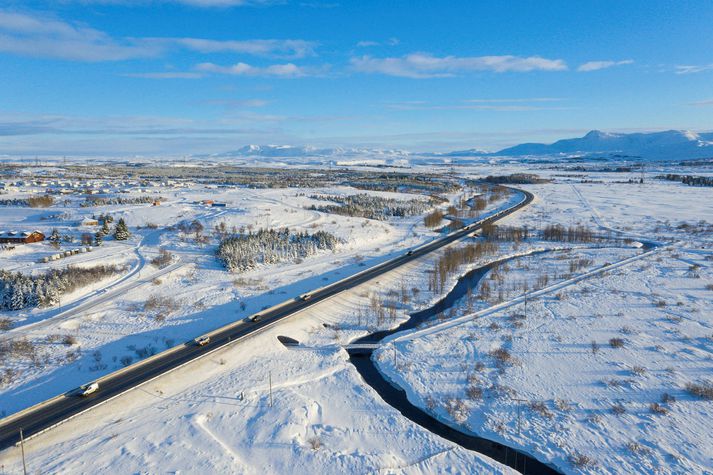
column 666, row 145
column 296, row 151
column 670, row 144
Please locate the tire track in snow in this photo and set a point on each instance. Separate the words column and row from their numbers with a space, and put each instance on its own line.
column 200, row 422
column 421, row 461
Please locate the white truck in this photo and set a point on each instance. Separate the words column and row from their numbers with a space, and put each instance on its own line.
column 89, row 388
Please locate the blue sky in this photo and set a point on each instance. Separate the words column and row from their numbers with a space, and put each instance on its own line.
column 152, row 77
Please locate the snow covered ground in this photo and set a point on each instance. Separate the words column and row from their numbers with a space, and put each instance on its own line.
column 323, row 418
column 597, row 369
column 582, row 390
column 216, row 415
column 197, row 295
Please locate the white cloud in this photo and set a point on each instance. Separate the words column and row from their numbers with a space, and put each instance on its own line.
column 367, row 44
column 166, row 75
column 34, row 36
column 37, row 36
column 517, row 100
column 287, row 70
column 706, row 103
column 501, row 105
column 597, row 65
column 692, row 69
column 195, row 3
column 222, row 3
column 423, row 65
column 285, row 48
column 315, row 4
column 238, row 103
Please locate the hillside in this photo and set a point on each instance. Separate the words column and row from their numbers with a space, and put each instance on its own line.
column 671, row 144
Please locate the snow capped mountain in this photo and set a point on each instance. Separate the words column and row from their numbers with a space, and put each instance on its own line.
column 471, row 152
column 670, row 144
column 291, row 151
column 667, row 145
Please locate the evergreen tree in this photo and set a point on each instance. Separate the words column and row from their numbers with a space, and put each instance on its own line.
column 54, row 237
column 17, row 298
column 19, row 291
column 105, row 228
column 51, row 297
column 121, row 233
column 98, row 238
column 245, row 251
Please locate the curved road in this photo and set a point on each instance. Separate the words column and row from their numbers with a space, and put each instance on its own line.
column 48, row 414
column 108, row 292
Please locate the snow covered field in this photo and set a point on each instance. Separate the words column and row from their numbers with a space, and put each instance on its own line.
column 586, row 407
column 321, row 420
column 216, row 415
column 598, row 369
column 196, row 296
column 601, row 368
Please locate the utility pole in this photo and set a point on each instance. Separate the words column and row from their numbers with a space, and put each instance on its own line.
column 269, row 375
column 22, row 448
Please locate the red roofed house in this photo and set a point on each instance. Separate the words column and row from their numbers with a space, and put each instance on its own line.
column 26, row 237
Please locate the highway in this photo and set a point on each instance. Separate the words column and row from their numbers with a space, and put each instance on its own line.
column 54, row 411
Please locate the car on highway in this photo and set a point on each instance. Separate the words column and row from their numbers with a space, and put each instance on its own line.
column 89, row 388
column 254, row 318
column 59, row 410
column 305, row 297
column 202, row 340
column 410, row 253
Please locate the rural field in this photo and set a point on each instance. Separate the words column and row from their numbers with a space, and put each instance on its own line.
column 593, row 317
column 340, row 237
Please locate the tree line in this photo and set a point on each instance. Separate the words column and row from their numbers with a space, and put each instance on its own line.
column 43, row 201
column 451, row 260
column 368, row 206
column 246, row 251
column 689, row 180
column 101, row 201
column 557, row 232
column 551, row 232
column 492, row 232
column 19, row 291
column 517, row 178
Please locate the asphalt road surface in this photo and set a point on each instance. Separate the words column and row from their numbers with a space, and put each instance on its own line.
column 112, row 385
